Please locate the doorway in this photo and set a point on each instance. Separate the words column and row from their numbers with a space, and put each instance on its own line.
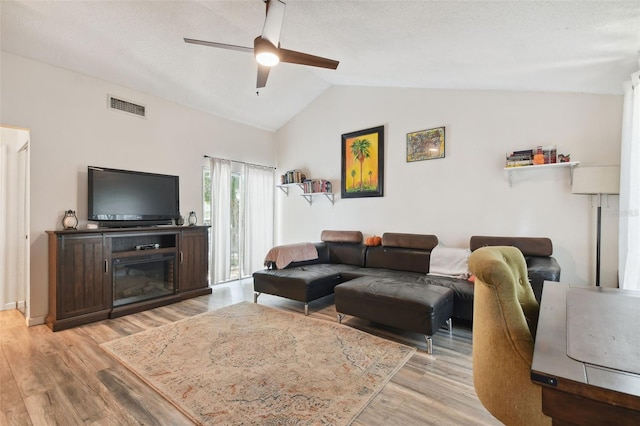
column 232, row 262
column 14, row 219
column 238, row 204
column 236, row 200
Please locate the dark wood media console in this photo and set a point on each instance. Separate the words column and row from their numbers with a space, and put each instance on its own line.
column 95, row 274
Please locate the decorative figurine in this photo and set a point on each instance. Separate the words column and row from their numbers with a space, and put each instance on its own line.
column 193, row 219
column 70, row 220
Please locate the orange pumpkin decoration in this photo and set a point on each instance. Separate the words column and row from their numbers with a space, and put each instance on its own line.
column 373, row 241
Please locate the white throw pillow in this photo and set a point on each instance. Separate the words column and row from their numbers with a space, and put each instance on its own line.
column 449, row 262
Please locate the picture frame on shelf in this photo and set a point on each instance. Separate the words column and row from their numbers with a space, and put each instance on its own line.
column 362, row 168
column 426, row 144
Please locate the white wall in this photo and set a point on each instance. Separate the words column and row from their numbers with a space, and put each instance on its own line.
column 72, row 128
column 467, row 192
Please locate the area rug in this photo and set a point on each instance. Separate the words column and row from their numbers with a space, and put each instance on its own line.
column 251, row 364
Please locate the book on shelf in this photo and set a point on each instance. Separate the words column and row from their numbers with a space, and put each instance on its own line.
column 519, row 158
column 550, row 154
column 292, row 176
column 310, row 186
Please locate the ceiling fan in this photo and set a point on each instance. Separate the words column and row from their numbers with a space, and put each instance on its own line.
column 266, row 47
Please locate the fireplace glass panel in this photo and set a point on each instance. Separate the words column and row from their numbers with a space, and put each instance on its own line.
column 144, row 278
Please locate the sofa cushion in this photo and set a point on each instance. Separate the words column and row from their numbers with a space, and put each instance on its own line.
column 400, row 259
column 406, row 276
column 302, row 283
column 529, row 246
column 307, row 273
column 353, row 237
column 412, row 241
column 463, row 291
column 347, row 254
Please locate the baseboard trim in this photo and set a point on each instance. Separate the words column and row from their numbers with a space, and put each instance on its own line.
column 10, row 306
column 31, row 321
column 14, row 305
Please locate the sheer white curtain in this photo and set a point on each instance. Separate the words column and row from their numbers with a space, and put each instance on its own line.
column 629, row 238
column 257, row 233
column 221, row 219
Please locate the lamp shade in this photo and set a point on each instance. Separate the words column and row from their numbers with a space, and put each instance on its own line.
column 596, row 180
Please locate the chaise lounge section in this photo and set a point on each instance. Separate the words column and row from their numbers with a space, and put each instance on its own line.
column 305, row 281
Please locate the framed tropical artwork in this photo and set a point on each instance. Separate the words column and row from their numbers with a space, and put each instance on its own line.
column 425, row 144
column 363, row 163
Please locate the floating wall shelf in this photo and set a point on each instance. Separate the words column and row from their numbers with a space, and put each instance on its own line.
column 511, row 170
column 307, row 195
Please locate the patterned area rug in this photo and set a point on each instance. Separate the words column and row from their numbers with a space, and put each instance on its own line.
column 251, row 364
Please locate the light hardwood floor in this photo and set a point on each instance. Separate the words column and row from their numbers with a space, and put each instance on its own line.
column 65, row 378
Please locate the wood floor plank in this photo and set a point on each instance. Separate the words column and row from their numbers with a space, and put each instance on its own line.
column 11, row 318
column 12, row 408
column 66, row 378
column 44, row 341
column 83, row 352
column 99, row 332
column 120, row 417
column 142, row 402
column 31, row 373
column 52, row 407
column 15, row 418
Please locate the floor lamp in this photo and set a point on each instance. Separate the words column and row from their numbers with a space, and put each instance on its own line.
column 597, row 180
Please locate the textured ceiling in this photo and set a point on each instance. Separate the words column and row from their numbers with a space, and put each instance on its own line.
column 583, row 46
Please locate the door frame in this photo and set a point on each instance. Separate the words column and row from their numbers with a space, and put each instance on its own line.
column 21, row 161
column 24, row 187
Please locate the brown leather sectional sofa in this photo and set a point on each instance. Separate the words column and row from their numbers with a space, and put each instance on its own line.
column 389, row 284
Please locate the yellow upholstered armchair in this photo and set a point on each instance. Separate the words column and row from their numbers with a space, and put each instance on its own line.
column 505, row 316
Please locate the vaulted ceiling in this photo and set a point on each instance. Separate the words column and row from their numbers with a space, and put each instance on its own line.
column 581, row 46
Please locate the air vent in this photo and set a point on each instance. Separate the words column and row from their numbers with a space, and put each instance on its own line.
column 128, row 107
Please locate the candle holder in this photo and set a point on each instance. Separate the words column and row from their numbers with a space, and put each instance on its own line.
column 193, row 219
column 70, row 220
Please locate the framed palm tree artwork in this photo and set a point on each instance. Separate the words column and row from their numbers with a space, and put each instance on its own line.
column 363, row 163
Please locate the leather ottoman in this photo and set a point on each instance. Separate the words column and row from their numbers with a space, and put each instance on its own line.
column 413, row 306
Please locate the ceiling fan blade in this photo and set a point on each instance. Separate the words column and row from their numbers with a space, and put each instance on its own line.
column 263, row 73
column 293, row 57
column 220, row 45
column 273, row 21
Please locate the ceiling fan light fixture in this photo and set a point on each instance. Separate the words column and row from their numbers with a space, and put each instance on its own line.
column 268, row 59
column 265, row 52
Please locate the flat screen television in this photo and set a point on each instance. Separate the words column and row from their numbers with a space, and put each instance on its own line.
column 123, row 198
